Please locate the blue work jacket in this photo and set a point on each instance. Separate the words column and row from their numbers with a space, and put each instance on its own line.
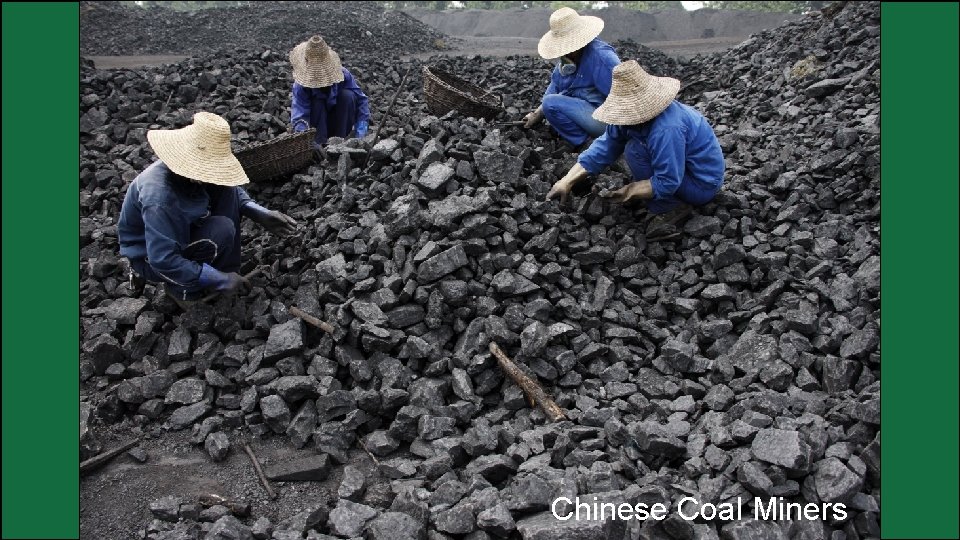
column 676, row 145
column 158, row 210
column 594, row 75
column 310, row 105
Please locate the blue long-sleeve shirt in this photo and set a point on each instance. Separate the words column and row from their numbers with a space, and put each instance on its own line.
column 593, row 77
column 677, row 144
column 310, row 105
column 158, row 210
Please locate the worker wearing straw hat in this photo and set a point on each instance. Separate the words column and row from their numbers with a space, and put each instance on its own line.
column 326, row 96
column 180, row 220
column 581, row 79
column 672, row 152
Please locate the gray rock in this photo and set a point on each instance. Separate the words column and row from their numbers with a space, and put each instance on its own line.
column 496, row 521
column 293, row 388
column 395, row 526
column 782, row 447
column 166, row 508
column 545, row 526
column 125, row 310
column 442, row 264
column 353, row 485
column 826, row 87
column 285, row 339
column 303, row 424
column 217, row 445
column 186, row 392
column 498, row 167
column 186, row 416
column 308, row 469
column 276, row 413
column 348, row 519
column 435, row 177
column 835, row 482
column 229, row 528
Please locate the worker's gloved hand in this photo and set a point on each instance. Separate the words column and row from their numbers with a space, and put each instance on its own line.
column 221, row 281
column 532, row 118
column 362, row 127
column 276, row 222
column 299, row 126
column 634, row 191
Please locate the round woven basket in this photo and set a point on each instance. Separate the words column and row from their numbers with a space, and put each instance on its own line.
column 279, row 157
column 446, row 92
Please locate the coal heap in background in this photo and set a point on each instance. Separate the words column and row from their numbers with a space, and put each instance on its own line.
column 109, row 28
column 739, row 359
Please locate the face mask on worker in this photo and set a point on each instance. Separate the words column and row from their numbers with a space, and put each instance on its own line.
column 566, row 66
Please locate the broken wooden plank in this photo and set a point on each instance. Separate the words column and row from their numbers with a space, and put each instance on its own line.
column 103, row 457
column 529, row 386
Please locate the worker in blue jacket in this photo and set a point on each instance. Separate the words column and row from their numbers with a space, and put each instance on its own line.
column 581, row 79
column 180, row 220
column 673, row 154
column 326, row 96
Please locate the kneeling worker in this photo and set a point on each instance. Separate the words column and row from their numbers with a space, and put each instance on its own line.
column 673, row 154
column 326, row 96
column 180, row 219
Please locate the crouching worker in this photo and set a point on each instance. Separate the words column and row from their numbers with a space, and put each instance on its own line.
column 180, row 220
column 673, row 154
column 581, row 79
column 325, row 94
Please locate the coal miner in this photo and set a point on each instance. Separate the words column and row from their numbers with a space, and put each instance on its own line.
column 581, row 79
column 672, row 152
column 180, row 220
column 325, row 94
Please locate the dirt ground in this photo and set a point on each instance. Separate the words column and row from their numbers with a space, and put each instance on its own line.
column 115, row 499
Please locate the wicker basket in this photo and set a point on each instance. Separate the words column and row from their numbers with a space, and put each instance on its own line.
column 285, row 155
column 445, row 93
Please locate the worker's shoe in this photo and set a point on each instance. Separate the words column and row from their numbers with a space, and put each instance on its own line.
column 668, row 223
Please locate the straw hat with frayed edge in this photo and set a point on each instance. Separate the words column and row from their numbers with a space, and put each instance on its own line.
column 636, row 96
column 315, row 65
column 568, row 32
column 200, row 151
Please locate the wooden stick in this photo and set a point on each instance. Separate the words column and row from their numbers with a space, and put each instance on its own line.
column 664, row 237
column 529, row 386
column 103, row 457
column 254, row 273
column 256, row 465
column 310, row 319
column 364, row 448
column 376, row 136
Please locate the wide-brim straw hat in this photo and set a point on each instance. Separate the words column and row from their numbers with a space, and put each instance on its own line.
column 315, row 65
column 636, row 96
column 200, row 151
column 568, row 32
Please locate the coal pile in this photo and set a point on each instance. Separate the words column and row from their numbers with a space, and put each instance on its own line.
column 739, row 359
column 108, row 28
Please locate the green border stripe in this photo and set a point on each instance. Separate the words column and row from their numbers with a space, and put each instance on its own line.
column 41, row 85
column 919, row 270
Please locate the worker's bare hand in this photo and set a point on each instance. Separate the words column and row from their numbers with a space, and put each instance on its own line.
column 561, row 189
column 279, row 223
column 631, row 192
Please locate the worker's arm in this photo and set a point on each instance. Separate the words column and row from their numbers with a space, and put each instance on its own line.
column 300, row 109
column 562, row 188
column 272, row 220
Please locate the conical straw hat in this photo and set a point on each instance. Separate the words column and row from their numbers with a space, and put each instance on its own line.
column 200, row 151
column 568, row 32
column 315, row 65
column 636, row 96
